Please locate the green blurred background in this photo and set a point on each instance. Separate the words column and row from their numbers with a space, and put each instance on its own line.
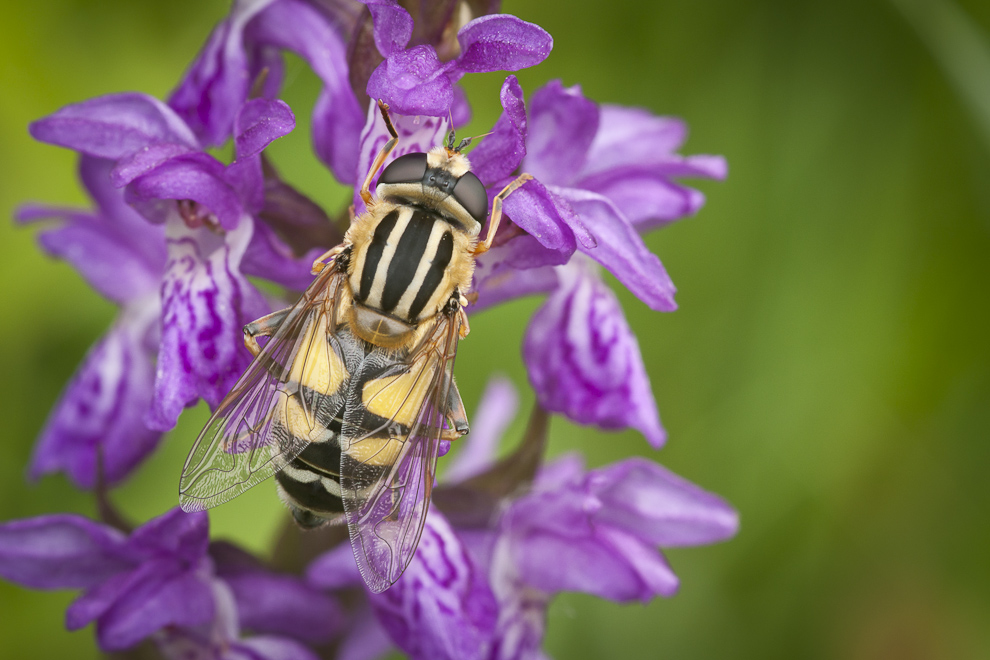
column 827, row 372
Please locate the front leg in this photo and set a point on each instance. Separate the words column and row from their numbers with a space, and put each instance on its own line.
column 382, row 155
column 263, row 327
column 332, row 253
column 496, row 218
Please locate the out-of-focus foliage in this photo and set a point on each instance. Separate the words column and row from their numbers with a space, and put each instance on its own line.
column 828, row 371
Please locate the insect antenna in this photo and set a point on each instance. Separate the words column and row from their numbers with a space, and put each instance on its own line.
column 466, row 141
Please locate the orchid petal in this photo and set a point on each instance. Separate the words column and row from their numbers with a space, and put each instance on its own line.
column 259, row 123
column 101, row 412
column 620, row 249
column 499, row 154
column 562, row 127
column 584, row 361
column 393, row 26
column 61, row 551
column 113, row 126
column 413, row 82
column 442, row 606
column 501, row 42
column 337, row 118
column 216, row 84
column 205, row 303
column 198, row 177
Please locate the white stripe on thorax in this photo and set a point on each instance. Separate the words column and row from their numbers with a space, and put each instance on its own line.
column 374, row 299
column 429, row 254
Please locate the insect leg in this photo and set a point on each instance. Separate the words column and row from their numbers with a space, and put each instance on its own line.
column 262, row 327
column 382, row 155
column 485, row 245
column 320, row 262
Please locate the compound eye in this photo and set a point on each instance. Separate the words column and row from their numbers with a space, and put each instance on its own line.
column 471, row 193
column 405, row 169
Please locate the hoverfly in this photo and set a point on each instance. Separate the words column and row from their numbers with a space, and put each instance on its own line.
column 347, row 402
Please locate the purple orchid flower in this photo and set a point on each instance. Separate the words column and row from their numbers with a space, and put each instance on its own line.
column 591, row 531
column 132, row 587
column 164, row 582
column 584, row 360
column 412, row 78
column 603, row 175
column 100, row 415
column 212, row 237
column 248, row 42
column 414, row 81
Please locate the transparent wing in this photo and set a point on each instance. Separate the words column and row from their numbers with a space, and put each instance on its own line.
column 396, row 414
column 286, row 399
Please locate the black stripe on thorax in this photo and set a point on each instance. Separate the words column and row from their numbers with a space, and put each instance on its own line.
column 408, row 254
column 445, row 251
column 374, row 253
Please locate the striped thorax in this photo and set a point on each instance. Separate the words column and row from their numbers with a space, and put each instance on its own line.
column 412, row 251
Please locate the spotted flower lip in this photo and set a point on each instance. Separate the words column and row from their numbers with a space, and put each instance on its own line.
column 584, row 360
column 441, row 607
column 205, row 296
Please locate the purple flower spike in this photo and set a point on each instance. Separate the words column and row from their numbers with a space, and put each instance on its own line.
column 441, row 607
column 205, row 303
column 135, row 586
column 584, row 360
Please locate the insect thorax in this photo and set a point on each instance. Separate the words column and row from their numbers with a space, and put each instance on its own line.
column 406, row 263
